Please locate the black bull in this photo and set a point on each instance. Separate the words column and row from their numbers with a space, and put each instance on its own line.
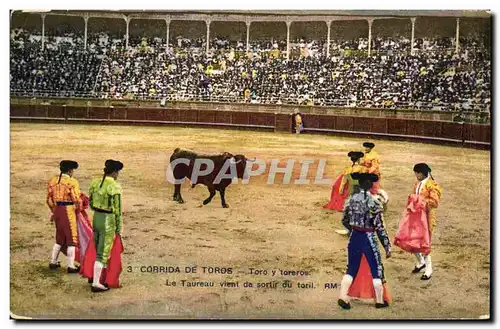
column 183, row 170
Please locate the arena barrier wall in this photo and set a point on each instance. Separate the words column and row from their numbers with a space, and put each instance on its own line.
column 399, row 113
column 441, row 132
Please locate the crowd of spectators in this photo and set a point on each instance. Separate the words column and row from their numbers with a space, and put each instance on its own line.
column 61, row 67
column 433, row 77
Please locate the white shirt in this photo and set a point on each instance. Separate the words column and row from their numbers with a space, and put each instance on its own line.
column 420, row 185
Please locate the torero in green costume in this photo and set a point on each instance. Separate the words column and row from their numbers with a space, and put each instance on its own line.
column 106, row 201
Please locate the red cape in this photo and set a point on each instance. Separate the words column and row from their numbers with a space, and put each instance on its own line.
column 111, row 274
column 337, row 200
column 362, row 285
column 413, row 234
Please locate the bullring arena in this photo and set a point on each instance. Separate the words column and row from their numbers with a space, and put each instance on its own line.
column 267, row 226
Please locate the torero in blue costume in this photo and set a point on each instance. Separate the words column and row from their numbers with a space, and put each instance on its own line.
column 363, row 217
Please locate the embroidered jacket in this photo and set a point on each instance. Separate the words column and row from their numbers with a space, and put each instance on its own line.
column 431, row 192
column 347, row 178
column 372, row 162
column 65, row 189
column 107, row 197
column 366, row 213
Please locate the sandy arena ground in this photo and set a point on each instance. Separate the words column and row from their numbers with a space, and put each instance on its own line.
column 268, row 227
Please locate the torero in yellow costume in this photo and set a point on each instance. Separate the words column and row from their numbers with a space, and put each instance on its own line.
column 347, row 187
column 355, row 168
column 430, row 191
column 63, row 199
column 371, row 161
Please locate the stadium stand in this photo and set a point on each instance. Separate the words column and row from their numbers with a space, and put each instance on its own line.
column 433, row 76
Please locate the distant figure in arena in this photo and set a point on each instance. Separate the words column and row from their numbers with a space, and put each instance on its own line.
column 106, row 201
column 430, row 192
column 299, row 124
column 371, row 161
column 344, row 186
column 363, row 216
column 63, row 199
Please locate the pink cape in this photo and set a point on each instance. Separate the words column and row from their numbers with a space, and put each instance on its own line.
column 413, row 234
column 337, row 200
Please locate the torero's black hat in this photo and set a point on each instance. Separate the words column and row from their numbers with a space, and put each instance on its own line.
column 364, row 177
column 113, row 165
column 355, row 155
column 368, row 144
column 66, row 165
column 422, row 168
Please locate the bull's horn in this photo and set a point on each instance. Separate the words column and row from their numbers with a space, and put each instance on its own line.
column 251, row 160
column 238, row 161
